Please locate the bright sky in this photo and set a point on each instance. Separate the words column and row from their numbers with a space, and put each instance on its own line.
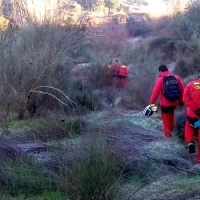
column 159, row 8
column 155, row 8
column 39, row 7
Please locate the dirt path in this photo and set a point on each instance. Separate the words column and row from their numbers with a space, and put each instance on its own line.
column 141, row 137
column 138, row 143
column 135, row 135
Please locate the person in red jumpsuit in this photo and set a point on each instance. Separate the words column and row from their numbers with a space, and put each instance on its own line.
column 122, row 72
column 112, row 72
column 167, row 107
column 191, row 98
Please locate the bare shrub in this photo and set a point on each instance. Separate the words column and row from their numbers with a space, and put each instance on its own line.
column 140, row 87
column 164, row 26
column 196, row 63
column 99, row 75
column 143, row 72
column 85, row 54
column 184, row 69
column 187, row 25
column 84, row 95
column 57, row 127
column 114, row 37
column 181, row 25
column 138, row 27
column 192, row 15
column 95, row 175
column 188, row 68
column 36, row 56
column 155, row 44
column 166, row 45
column 115, row 32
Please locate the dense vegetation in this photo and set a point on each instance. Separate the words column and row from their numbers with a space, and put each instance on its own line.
column 64, row 133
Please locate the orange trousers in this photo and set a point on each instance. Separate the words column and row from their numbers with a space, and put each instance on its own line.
column 168, row 123
column 122, row 81
column 190, row 137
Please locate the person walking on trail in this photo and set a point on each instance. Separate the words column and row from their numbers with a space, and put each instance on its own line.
column 191, row 98
column 112, row 72
column 170, row 88
column 122, row 72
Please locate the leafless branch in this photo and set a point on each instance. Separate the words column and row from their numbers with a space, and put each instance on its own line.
column 42, row 74
column 56, row 90
column 47, row 93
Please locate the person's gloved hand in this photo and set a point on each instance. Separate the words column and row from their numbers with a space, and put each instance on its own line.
column 197, row 112
column 154, row 107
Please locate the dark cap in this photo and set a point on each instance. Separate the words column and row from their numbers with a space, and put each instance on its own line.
column 162, row 68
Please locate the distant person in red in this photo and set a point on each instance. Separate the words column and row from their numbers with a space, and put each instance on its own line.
column 112, row 72
column 170, row 89
column 122, row 72
column 191, row 98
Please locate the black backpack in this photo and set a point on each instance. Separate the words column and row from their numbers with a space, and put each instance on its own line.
column 171, row 88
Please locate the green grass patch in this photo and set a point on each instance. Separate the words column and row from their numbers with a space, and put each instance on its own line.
column 26, row 177
column 44, row 196
column 49, row 128
column 94, row 176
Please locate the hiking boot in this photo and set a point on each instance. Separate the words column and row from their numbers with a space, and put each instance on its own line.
column 191, row 147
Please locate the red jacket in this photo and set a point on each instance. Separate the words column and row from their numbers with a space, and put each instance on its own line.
column 159, row 90
column 122, row 70
column 191, row 97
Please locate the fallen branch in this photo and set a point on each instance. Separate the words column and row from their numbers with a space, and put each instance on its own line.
column 41, row 92
column 35, row 89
